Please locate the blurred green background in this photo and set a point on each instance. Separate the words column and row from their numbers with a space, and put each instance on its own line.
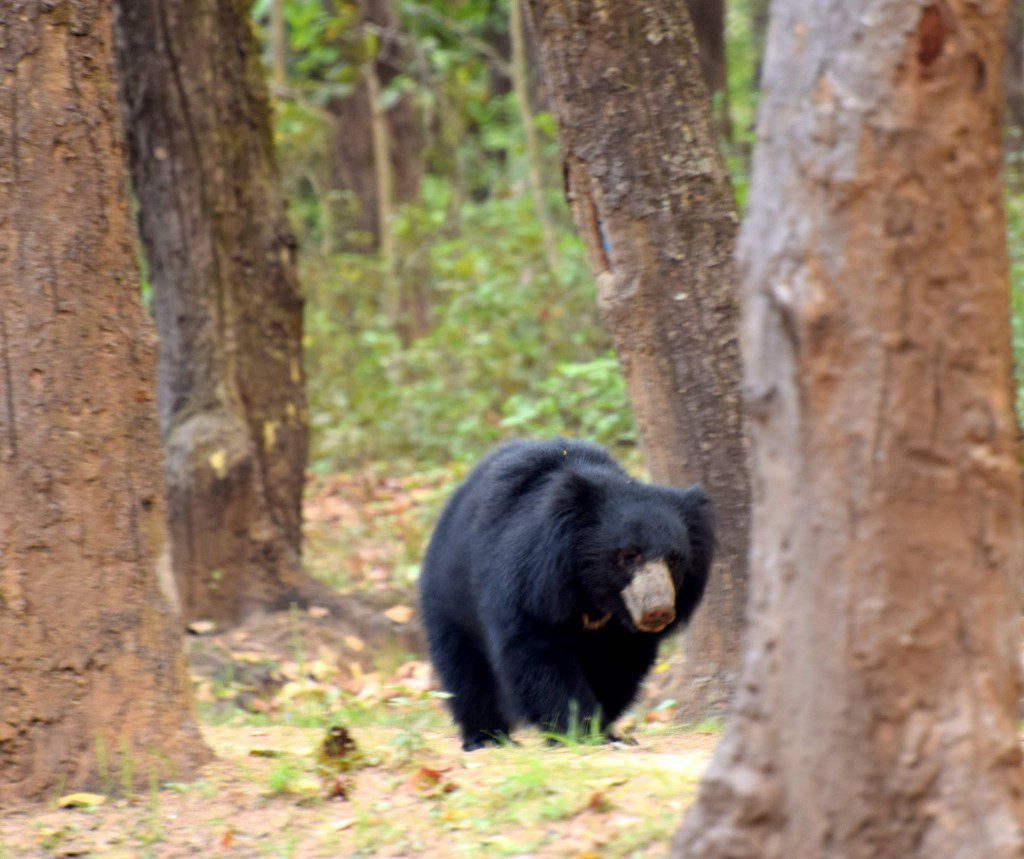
column 505, row 343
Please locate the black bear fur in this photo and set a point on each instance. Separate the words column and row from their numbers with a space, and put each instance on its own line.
column 521, row 586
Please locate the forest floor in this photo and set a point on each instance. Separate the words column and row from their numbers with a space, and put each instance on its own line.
column 273, row 694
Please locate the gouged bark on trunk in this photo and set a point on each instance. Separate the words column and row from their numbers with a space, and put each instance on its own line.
column 231, row 388
column 651, row 198
column 877, row 712
column 91, row 654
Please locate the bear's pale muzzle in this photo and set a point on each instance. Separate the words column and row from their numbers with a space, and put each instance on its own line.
column 651, row 597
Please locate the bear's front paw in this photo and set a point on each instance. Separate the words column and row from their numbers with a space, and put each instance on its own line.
column 481, row 740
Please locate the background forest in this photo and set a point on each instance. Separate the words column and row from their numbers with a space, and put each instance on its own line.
column 379, row 236
column 465, row 325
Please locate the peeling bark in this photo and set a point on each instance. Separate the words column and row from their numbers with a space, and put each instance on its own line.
column 877, row 711
column 651, row 198
column 90, row 653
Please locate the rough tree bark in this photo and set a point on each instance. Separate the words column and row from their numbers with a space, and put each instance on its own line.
column 90, row 652
column 652, row 201
column 877, row 710
column 351, row 129
column 231, row 388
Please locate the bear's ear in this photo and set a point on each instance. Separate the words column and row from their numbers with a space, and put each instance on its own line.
column 699, row 517
column 576, row 499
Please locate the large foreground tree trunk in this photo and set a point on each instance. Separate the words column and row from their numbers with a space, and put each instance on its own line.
column 228, row 307
column 877, row 713
column 651, row 198
column 91, row 662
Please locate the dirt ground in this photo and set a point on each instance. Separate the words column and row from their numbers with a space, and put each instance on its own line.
column 269, row 692
column 265, row 796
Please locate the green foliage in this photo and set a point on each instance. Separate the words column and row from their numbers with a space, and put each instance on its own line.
column 501, row 355
column 471, row 339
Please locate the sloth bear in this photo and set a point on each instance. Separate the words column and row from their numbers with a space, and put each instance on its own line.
column 548, row 582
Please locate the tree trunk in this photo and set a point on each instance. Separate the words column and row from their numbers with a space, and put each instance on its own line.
column 1013, row 71
column 651, row 198
column 877, row 712
column 351, row 129
column 534, row 164
column 759, row 12
column 222, row 259
column 278, row 45
column 93, row 665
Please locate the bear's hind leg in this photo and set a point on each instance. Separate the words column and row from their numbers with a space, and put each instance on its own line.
column 467, row 676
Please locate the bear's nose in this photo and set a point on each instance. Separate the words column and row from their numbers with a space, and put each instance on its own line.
column 650, row 598
column 656, row 620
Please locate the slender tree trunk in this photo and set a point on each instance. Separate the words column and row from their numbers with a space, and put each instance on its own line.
column 877, row 713
column 351, row 129
column 533, row 157
column 91, row 655
column 651, row 198
column 228, row 307
column 759, row 10
column 278, row 44
column 384, row 191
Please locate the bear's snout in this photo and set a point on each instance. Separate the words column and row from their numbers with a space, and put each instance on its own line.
column 651, row 597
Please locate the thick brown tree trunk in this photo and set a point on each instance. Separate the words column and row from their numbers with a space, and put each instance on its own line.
column 227, row 301
column 877, row 712
column 351, row 128
column 651, row 198
column 91, row 663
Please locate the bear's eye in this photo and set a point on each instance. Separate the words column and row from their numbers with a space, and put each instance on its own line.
column 627, row 558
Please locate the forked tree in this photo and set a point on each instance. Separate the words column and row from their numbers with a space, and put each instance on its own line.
column 651, row 198
column 877, row 711
column 92, row 671
column 221, row 253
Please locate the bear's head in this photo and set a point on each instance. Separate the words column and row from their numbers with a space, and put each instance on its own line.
column 641, row 553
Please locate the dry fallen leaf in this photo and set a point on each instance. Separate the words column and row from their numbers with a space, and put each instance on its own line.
column 317, row 612
column 202, row 627
column 354, row 643
column 399, row 613
column 431, row 781
column 227, row 839
column 598, row 802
